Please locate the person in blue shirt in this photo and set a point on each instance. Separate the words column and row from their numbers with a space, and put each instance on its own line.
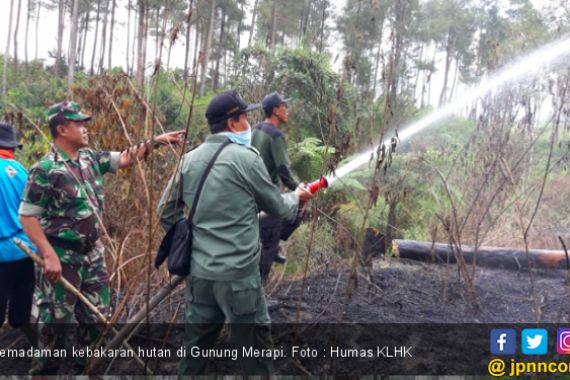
column 17, row 278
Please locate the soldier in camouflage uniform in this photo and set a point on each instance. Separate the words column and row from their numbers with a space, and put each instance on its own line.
column 61, row 211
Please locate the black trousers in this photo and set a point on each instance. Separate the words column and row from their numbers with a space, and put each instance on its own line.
column 17, row 280
column 270, row 231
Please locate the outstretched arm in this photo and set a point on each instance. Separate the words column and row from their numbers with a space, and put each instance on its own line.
column 142, row 150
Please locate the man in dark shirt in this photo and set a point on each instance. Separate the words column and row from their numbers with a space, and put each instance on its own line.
column 270, row 142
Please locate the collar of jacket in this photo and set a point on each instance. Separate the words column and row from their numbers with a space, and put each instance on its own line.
column 7, row 154
column 216, row 138
column 60, row 155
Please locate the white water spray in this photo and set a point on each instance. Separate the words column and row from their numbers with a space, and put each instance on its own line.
column 527, row 65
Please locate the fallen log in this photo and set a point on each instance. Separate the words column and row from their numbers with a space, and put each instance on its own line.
column 492, row 257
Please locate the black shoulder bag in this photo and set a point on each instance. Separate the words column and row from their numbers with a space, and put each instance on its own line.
column 177, row 243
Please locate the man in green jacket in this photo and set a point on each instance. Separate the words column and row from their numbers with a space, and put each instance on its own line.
column 224, row 282
column 270, row 142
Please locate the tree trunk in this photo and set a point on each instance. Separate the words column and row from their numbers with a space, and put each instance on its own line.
column 80, row 34
column 429, row 76
column 305, row 20
column 401, row 9
column 6, row 52
column 492, row 257
column 134, row 42
column 128, row 34
column 273, row 30
column 16, row 29
column 208, row 48
column 197, row 40
column 97, row 19
column 157, row 33
column 442, row 96
column 73, row 43
column 454, row 84
column 113, row 6
column 252, row 23
column 84, row 43
column 392, row 201
column 322, row 32
column 103, row 38
column 378, row 54
column 216, row 76
column 240, row 27
column 418, row 73
column 60, row 29
column 28, row 17
column 39, row 5
column 188, row 27
column 141, row 44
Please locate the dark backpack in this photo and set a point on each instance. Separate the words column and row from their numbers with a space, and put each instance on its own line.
column 177, row 243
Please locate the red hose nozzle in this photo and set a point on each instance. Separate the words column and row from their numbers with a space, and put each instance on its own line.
column 315, row 186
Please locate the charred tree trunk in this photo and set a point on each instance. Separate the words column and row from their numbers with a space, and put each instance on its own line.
column 492, row 257
column 392, row 201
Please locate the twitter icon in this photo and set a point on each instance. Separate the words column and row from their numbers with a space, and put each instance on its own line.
column 534, row 341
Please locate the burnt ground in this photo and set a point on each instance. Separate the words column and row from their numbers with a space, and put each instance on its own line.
column 405, row 291
column 397, row 291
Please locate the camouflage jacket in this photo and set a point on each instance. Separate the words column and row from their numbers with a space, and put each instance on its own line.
column 67, row 197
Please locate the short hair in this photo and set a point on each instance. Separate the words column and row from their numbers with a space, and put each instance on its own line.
column 55, row 122
column 221, row 125
column 269, row 111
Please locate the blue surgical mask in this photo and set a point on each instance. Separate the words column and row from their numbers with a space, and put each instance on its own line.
column 242, row 138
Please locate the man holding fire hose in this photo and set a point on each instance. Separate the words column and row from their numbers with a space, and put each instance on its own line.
column 224, row 282
column 270, row 142
column 61, row 212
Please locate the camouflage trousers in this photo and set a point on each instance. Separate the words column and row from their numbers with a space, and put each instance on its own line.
column 56, row 309
column 239, row 302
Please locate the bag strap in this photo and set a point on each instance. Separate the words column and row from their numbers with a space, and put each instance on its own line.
column 202, row 181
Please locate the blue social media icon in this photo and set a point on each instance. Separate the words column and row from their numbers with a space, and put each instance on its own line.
column 534, row 341
column 503, row 341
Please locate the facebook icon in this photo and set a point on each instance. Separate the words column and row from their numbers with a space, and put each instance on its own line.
column 503, row 341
